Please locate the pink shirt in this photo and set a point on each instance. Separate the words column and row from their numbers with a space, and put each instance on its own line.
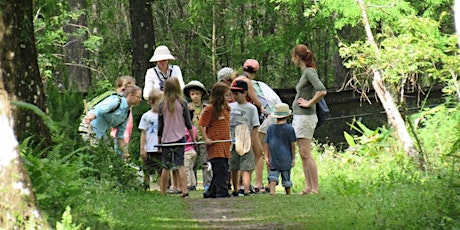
column 174, row 124
column 188, row 138
column 128, row 130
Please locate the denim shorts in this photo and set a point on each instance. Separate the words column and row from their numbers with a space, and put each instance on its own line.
column 304, row 125
column 273, row 175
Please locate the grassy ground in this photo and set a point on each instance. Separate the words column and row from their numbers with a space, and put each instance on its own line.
column 400, row 208
column 345, row 205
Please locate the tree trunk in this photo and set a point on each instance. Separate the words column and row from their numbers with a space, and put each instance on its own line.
column 75, row 54
column 17, row 200
column 393, row 115
column 18, row 63
column 142, row 37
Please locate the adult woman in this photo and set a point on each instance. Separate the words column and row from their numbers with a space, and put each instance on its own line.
column 309, row 91
column 112, row 112
column 156, row 76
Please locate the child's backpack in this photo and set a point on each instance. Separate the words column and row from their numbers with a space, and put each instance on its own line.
column 96, row 100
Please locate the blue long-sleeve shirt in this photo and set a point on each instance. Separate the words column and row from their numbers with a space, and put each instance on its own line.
column 107, row 117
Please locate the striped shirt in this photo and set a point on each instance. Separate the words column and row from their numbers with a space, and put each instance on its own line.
column 217, row 129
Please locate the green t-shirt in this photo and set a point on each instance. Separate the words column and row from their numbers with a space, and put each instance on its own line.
column 306, row 88
column 196, row 117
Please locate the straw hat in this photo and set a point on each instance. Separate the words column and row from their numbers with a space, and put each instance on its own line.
column 281, row 110
column 194, row 85
column 162, row 53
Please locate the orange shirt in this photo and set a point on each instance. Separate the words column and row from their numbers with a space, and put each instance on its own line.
column 217, row 129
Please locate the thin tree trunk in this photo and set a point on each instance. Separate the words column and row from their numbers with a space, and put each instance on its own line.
column 393, row 115
column 142, row 37
column 78, row 73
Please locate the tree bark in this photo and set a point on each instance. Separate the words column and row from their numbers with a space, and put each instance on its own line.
column 393, row 115
column 75, row 53
column 142, row 37
column 18, row 63
column 17, row 200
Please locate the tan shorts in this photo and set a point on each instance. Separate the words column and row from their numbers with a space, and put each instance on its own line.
column 304, row 125
column 267, row 122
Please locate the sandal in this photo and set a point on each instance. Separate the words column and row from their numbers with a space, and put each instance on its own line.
column 260, row 190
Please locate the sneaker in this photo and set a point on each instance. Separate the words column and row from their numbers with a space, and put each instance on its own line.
column 191, row 188
column 235, row 194
column 206, row 187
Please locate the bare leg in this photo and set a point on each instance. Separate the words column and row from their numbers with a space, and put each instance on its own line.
column 309, row 166
column 164, row 179
column 182, row 179
column 235, row 180
column 246, row 180
column 288, row 190
column 176, row 180
column 259, row 161
column 272, row 187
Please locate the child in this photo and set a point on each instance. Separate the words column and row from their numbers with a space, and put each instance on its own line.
column 280, row 149
column 214, row 125
column 190, row 157
column 242, row 112
column 173, row 118
column 195, row 91
column 148, row 125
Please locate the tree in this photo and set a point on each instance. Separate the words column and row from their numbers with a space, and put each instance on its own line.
column 142, row 37
column 75, row 53
column 393, row 115
column 19, row 80
column 17, row 200
column 18, row 64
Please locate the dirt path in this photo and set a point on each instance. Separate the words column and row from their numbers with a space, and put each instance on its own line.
column 227, row 213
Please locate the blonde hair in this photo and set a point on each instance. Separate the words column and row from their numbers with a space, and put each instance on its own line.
column 124, row 81
column 155, row 96
column 130, row 89
column 172, row 92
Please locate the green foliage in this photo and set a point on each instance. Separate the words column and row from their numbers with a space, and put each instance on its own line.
column 24, row 105
column 66, row 223
column 369, row 142
column 438, row 130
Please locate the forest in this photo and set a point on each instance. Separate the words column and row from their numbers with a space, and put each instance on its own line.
column 56, row 53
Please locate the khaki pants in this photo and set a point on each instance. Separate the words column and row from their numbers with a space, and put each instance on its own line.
column 189, row 162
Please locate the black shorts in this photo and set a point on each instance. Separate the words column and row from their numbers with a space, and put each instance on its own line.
column 152, row 164
column 173, row 156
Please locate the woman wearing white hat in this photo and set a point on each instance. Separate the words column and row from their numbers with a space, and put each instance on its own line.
column 155, row 76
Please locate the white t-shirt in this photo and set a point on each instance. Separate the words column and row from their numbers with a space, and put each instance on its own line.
column 154, row 79
column 149, row 123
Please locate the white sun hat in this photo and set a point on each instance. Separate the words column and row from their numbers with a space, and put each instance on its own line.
column 162, row 53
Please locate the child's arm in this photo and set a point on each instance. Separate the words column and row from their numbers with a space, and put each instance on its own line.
column 205, row 136
column 267, row 154
column 255, row 140
column 293, row 153
column 142, row 145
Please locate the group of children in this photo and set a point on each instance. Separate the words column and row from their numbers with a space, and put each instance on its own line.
column 171, row 123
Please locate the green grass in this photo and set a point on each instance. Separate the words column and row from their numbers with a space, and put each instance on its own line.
column 402, row 207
